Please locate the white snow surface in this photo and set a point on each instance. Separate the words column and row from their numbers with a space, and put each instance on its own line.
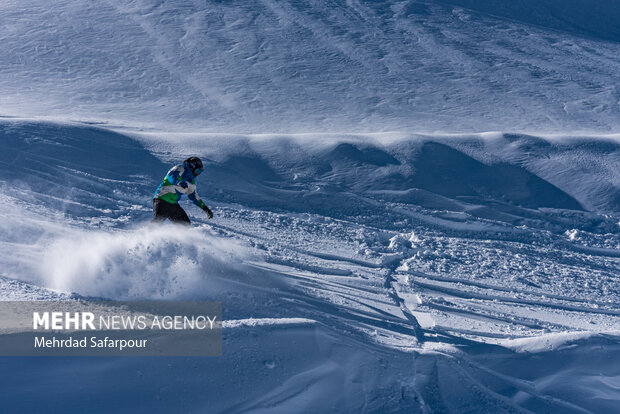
column 324, row 65
column 417, row 202
column 358, row 273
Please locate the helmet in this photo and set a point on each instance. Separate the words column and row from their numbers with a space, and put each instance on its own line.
column 194, row 164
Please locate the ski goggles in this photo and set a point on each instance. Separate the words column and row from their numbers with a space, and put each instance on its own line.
column 198, row 171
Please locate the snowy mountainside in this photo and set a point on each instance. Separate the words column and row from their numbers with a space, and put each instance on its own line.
column 408, row 287
column 328, row 65
column 373, row 248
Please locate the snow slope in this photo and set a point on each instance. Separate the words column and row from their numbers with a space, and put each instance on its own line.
column 358, row 273
column 327, row 65
column 375, row 250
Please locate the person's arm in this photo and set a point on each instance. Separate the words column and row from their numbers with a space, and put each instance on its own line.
column 193, row 195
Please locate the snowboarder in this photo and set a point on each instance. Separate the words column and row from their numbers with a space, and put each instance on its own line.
column 181, row 179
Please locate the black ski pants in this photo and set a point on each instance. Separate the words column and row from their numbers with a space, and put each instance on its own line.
column 163, row 210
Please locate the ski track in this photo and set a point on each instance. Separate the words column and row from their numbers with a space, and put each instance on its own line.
column 505, row 321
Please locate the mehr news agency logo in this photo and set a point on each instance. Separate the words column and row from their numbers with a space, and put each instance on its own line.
column 84, row 321
column 110, row 328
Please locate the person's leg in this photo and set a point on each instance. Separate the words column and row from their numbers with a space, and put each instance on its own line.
column 163, row 210
column 178, row 215
column 159, row 211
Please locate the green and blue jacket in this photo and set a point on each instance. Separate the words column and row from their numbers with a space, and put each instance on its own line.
column 179, row 180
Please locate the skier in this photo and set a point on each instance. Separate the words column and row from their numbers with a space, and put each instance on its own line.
column 181, row 179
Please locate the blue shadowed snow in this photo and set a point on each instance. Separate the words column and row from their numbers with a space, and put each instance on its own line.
column 75, row 169
column 598, row 20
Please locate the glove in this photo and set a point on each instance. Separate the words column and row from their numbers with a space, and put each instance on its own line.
column 183, row 184
column 208, row 211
